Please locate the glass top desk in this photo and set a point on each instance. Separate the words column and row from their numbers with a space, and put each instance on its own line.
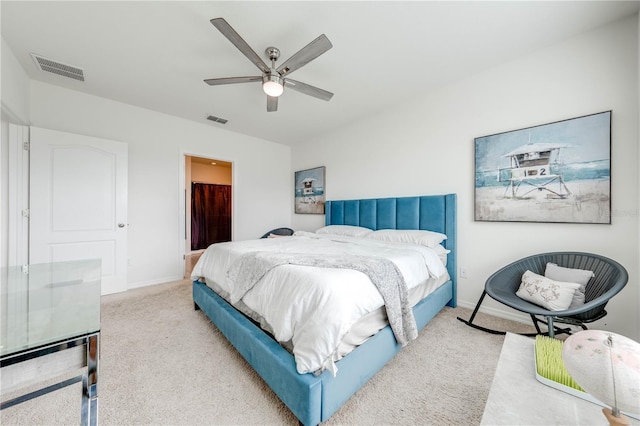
column 50, row 325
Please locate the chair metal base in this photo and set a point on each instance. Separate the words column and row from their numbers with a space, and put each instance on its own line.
column 552, row 330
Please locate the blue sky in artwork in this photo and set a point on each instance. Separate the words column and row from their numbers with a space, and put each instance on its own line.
column 588, row 137
column 317, row 174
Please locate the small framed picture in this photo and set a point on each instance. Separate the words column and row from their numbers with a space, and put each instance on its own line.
column 309, row 191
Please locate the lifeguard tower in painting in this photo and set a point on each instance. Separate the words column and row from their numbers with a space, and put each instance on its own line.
column 534, row 165
column 308, row 190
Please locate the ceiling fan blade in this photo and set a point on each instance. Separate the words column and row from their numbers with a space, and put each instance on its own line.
column 307, row 89
column 305, row 55
column 232, row 80
column 231, row 34
column 272, row 103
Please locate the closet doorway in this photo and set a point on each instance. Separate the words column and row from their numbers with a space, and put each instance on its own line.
column 208, row 192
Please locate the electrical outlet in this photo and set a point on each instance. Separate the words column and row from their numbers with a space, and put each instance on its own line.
column 463, row 272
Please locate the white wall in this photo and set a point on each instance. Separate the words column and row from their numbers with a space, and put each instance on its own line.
column 157, row 146
column 426, row 146
column 14, row 94
column 4, row 191
column 15, row 87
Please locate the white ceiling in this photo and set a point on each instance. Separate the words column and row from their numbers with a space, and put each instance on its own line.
column 156, row 54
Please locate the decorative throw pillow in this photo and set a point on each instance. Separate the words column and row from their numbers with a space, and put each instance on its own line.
column 572, row 275
column 553, row 295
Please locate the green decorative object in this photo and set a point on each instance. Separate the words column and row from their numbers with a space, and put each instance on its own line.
column 549, row 364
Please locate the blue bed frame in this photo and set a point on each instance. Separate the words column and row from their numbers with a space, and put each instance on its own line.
column 313, row 399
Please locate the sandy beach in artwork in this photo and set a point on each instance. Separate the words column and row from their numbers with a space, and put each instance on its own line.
column 589, row 202
column 303, row 205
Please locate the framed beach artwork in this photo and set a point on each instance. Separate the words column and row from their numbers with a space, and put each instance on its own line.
column 558, row 172
column 309, row 191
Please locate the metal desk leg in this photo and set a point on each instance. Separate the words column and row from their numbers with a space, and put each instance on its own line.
column 89, row 409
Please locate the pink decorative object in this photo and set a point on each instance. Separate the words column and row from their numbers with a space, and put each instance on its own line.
column 606, row 365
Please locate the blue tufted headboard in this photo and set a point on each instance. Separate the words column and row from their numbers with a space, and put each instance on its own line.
column 429, row 212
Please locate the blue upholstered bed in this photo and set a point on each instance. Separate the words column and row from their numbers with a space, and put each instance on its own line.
column 313, row 399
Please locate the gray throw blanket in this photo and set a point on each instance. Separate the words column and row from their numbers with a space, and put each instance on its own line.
column 246, row 271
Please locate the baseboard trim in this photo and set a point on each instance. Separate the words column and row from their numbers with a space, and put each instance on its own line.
column 508, row 315
column 164, row 280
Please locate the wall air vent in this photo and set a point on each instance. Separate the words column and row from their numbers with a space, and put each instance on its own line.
column 217, row 119
column 59, row 68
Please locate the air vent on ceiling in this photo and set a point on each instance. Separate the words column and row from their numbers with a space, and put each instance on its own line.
column 59, row 68
column 217, row 119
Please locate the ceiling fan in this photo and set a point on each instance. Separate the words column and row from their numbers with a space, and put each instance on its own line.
column 273, row 81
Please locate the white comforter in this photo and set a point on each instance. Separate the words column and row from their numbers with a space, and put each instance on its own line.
column 314, row 307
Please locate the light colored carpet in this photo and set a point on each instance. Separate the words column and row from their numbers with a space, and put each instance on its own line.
column 163, row 363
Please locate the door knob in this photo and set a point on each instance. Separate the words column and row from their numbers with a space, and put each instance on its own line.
column 121, row 225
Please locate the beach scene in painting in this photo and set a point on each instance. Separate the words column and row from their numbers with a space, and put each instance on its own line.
column 309, row 191
column 558, row 172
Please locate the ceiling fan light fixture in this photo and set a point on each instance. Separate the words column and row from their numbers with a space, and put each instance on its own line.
column 273, row 79
column 272, row 85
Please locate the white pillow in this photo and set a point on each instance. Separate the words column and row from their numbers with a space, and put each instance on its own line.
column 344, row 230
column 303, row 234
column 442, row 253
column 415, row 236
column 553, row 295
column 580, row 276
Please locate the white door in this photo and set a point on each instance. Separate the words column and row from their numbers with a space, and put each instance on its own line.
column 78, row 202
